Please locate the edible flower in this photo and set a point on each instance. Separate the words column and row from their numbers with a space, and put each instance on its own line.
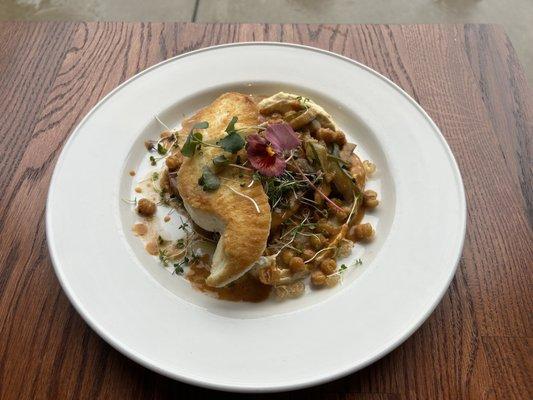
column 266, row 154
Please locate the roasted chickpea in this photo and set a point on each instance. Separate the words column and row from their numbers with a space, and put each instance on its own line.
column 317, row 241
column 297, row 264
column 146, row 208
column 370, row 199
column 327, row 135
column 326, row 228
column 318, row 278
column 369, row 166
column 286, row 256
column 149, row 144
column 332, row 280
column 174, row 162
column 328, row 266
column 342, row 215
column 340, row 138
column 362, row 231
column 308, row 254
column 269, row 275
column 328, row 176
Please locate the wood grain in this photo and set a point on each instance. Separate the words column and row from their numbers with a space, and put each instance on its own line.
column 478, row 342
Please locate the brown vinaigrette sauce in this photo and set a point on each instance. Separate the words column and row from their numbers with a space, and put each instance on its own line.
column 246, row 288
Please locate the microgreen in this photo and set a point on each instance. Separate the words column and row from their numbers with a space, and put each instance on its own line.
column 208, row 181
column 232, row 143
column 163, row 257
column 220, row 161
column 303, row 101
column 184, row 225
column 178, row 269
column 161, row 149
column 344, row 267
column 152, row 160
column 231, row 126
column 194, row 139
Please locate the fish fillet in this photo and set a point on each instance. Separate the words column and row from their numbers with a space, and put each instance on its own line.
column 244, row 231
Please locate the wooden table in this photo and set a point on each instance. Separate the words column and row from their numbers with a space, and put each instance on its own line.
column 478, row 342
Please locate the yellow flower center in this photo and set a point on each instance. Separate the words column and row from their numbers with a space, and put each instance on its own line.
column 270, row 151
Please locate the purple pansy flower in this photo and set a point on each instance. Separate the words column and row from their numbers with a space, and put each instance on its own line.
column 266, row 154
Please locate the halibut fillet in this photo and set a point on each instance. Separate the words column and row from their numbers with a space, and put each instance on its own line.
column 244, row 231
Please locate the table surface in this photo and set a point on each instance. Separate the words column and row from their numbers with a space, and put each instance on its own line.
column 478, row 342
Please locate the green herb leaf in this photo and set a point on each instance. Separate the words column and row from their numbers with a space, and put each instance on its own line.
column 209, row 181
column 303, row 101
column 220, row 160
column 152, row 160
column 155, row 176
column 194, row 139
column 163, row 257
column 184, row 225
column 178, row 269
column 190, row 145
column 231, row 126
column 161, row 149
column 180, row 244
column 232, row 143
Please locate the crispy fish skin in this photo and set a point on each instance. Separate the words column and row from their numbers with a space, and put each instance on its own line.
column 244, row 231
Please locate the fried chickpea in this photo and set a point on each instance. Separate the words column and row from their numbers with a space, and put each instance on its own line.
column 332, row 280
column 326, row 134
column 340, row 138
column 328, row 266
column 342, row 215
column 318, row 278
column 326, row 228
column 362, row 231
column 146, row 208
column 317, row 241
column 286, row 256
column 173, row 162
column 308, row 254
column 370, row 199
column 297, row 264
column 369, row 167
column 333, row 209
column 269, row 275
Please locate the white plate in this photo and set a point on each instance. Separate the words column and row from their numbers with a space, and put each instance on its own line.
column 158, row 320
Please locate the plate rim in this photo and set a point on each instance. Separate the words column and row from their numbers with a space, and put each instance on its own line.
column 130, row 353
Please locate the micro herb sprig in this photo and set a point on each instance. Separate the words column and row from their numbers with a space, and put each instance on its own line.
column 163, row 257
column 344, row 267
column 233, row 141
column 303, row 101
column 209, row 181
column 194, row 139
column 184, row 226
